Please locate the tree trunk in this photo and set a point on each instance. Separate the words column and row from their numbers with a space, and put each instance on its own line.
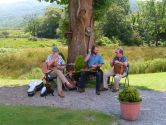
column 81, row 27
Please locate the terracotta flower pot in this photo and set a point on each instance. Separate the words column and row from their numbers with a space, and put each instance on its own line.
column 130, row 111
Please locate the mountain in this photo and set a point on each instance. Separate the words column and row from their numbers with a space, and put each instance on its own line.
column 12, row 14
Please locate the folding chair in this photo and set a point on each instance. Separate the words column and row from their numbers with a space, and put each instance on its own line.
column 126, row 78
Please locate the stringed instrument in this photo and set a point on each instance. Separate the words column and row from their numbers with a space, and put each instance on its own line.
column 119, row 68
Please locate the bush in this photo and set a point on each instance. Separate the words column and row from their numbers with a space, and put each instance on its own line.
column 32, row 38
column 104, row 41
column 129, row 94
column 150, row 66
column 79, row 63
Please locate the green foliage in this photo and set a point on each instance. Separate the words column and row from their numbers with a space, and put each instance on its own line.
column 104, row 41
column 25, row 63
column 151, row 21
column 100, row 7
column 28, row 43
column 63, row 25
column 13, row 33
column 118, row 25
column 31, row 24
column 150, row 66
column 79, row 63
column 44, row 26
column 129, row 94
column 138, row 67
column 4, row 34
column 62, row 2
column 145, row 27
column 26, row 57
column 49, row 23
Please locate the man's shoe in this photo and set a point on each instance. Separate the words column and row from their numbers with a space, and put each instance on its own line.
column 61, row 94
column 81, row 90
column 115, row 90
column 97, row 93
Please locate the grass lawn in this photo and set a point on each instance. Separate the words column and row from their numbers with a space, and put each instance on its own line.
column 152, row 81
column 13, row 82
column 32, row 115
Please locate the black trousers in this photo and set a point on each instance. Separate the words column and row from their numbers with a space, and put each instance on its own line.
column 99, row 78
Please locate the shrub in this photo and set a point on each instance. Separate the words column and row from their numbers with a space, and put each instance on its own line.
column 32, row 38
column 129, row 94
column 139, row 66
column 79, row 63
column 150, row 66
column 104, row 41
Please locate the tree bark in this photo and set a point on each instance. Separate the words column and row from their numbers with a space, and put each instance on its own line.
column 82, row 28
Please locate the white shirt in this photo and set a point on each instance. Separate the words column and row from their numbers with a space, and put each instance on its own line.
column 59, row 61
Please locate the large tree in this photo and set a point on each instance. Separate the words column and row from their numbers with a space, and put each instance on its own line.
column 82, row 14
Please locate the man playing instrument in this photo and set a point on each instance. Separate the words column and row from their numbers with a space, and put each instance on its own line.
column 56, row 65
column 119, row 64
column 94, row 61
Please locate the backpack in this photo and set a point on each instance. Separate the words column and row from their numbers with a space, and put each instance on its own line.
column 35, row 85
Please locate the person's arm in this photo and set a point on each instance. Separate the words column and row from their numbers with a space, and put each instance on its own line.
column 88, row 56
column 125, row 62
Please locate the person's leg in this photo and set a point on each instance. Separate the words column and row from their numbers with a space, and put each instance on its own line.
column 59, row 84
column 61, row 76
column 98, row 75
column 83, row 77
column 105, row 77
column 117, row 79
column 59, row 87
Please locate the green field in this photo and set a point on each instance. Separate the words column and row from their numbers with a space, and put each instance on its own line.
column 26, row 43
column 21, row 60
column 27, row 56
column 152, row 81
column 32, row 115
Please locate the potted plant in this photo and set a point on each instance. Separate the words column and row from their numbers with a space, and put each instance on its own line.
column 130, row 103
column 79, row 63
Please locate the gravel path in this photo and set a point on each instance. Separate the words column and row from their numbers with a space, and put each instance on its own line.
column 153, row 111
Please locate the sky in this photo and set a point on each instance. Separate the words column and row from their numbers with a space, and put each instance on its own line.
column 9, row 1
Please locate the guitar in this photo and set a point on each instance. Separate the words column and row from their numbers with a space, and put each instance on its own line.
column 47, row 69
column 119, row 68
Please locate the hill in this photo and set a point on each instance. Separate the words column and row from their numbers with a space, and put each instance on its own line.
column 12, row 14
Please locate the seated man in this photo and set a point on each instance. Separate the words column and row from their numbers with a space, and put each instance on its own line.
column 93, row 61
column 56, row 64
column 120, row 60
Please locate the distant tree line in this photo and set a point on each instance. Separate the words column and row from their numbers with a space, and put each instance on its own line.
column 119, row 25
column 45, row 26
